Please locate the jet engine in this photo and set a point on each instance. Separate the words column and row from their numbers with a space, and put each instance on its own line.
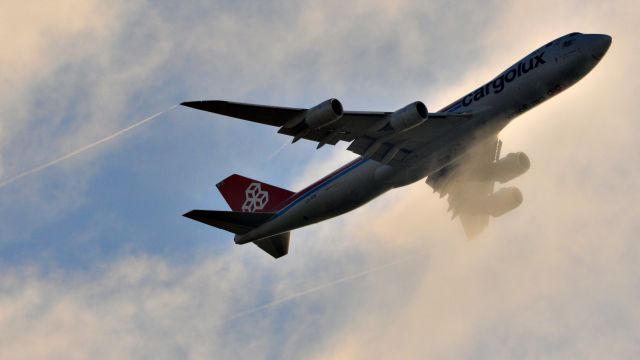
column 324, row 114
column 409, row 117
column 510, row 167
column 503, row 201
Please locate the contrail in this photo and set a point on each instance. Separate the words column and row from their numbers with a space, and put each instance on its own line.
column 278, row 150
column 320, row 287
column 81, row 150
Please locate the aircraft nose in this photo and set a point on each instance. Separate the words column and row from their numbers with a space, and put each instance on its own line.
column 598, row 44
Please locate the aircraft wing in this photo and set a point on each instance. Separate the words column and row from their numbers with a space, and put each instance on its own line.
column 368, row 131
column 465, row 186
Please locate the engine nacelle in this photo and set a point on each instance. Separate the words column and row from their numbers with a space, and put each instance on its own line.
column 324, row 114
column 503, row 201
column 510, row 167
column 409, row 117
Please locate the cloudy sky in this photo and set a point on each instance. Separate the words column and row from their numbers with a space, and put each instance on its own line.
column 96, row 261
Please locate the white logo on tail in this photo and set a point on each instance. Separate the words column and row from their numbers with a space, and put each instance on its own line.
column 256, row 199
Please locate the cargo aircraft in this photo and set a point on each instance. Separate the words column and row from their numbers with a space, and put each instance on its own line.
column 456, row 149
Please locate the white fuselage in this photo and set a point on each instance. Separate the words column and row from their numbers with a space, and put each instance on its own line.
column 534, row 79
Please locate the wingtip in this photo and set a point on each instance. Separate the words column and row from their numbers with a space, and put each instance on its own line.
column 189, row 214
column 189, row 103
column 206, row 105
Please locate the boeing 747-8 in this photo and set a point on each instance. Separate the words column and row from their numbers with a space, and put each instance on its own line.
column 456, row 149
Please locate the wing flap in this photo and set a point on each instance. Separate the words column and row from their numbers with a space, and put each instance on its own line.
column 363, row 144
column 328, row 136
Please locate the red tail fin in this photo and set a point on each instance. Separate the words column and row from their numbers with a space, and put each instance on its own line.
column 248, row 195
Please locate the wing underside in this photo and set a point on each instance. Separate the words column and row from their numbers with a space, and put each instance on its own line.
column 367, row 131
column 467, row 192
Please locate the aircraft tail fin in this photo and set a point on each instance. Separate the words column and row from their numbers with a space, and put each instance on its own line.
column 276, row 246
column 248, row 195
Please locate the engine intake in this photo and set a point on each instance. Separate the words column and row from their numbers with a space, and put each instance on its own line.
column 503, row 201
column 409, row 117
column 324, row 114
column 510, row 167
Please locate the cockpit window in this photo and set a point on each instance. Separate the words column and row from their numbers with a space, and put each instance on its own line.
column 574, row 34
column 567, row 43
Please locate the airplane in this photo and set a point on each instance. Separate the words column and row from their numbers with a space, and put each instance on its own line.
column 456, row 149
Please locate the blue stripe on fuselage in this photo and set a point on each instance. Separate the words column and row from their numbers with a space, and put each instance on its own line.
column 455, row 108
column 320, row 186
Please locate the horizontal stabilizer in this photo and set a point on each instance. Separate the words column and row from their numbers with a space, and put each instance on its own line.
column 232, row 221
column 276, row 246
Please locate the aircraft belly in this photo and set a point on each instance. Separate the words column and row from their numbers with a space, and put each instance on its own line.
column 345, row 194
